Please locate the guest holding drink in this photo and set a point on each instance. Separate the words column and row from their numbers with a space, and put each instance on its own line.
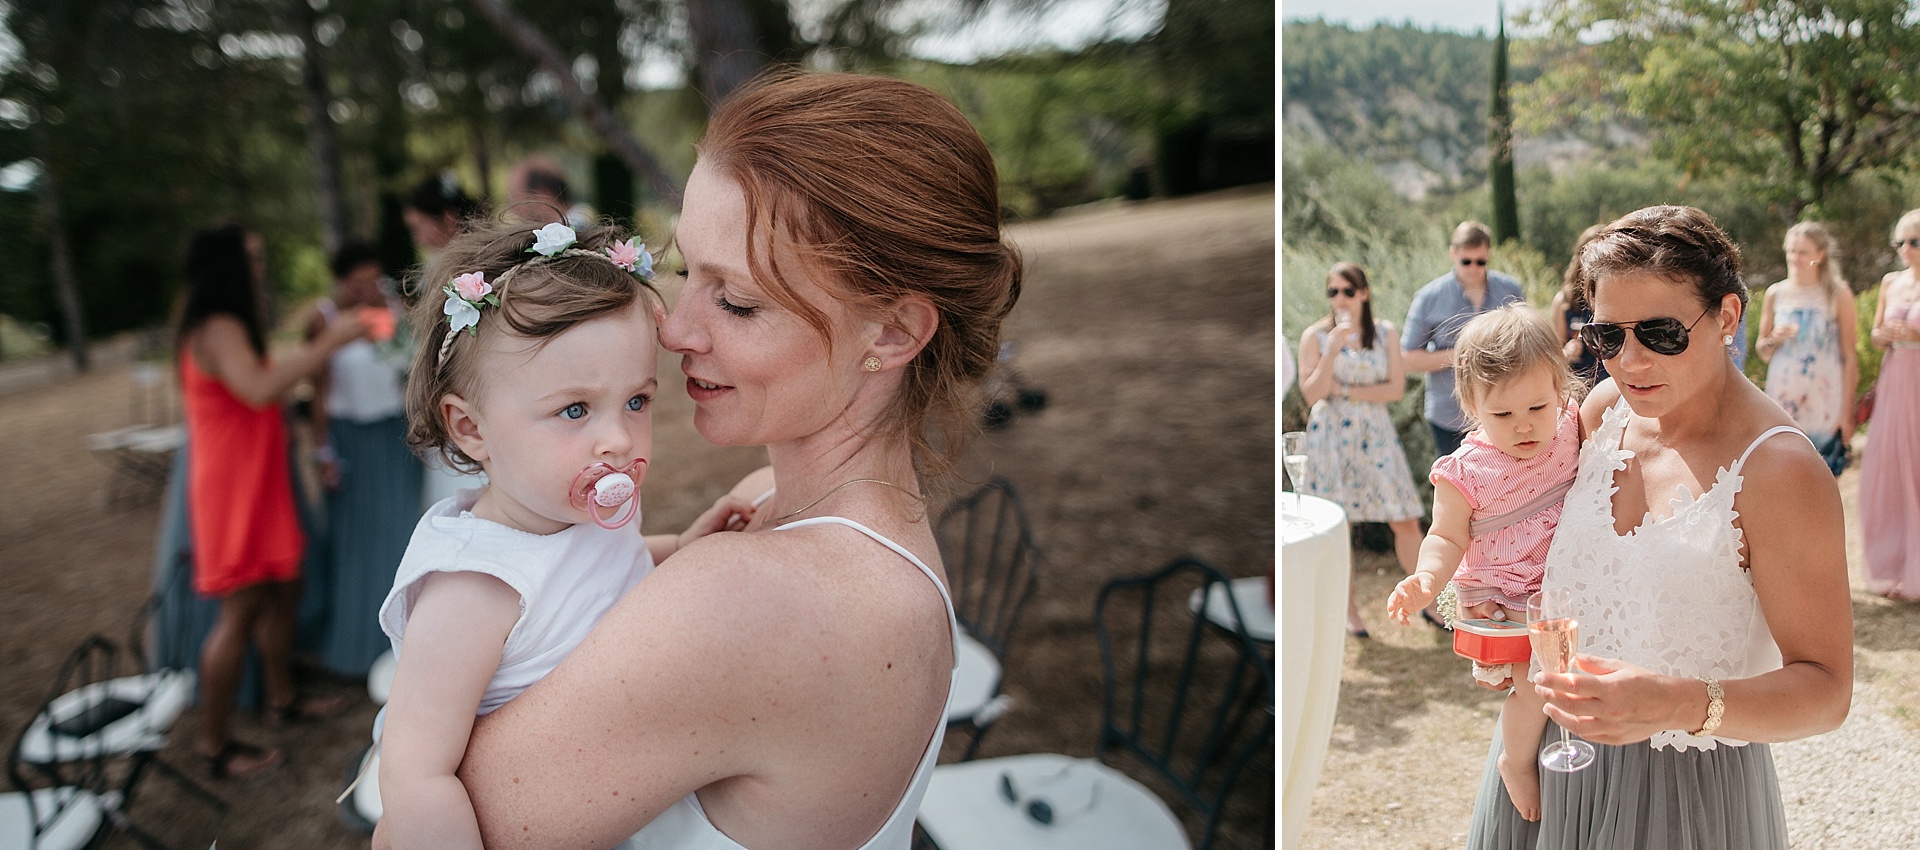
column 1890, row 471
column 1352, row 371
column 1708, row 625
column 1570, row 312
column 372, row 479
column 1806, row 336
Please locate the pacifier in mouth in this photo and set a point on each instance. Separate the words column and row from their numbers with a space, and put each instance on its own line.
column 601, row 486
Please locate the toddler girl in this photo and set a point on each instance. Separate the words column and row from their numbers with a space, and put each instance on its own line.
column 539, row 369
column 1497, row 500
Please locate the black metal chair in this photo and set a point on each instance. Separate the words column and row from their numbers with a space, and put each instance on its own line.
column 64, row 805
column 992, row 570
column 1189, row 705
column 99, row 713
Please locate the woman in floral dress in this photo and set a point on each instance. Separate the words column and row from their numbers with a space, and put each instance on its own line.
column 1807, row 324
column 1351, row 370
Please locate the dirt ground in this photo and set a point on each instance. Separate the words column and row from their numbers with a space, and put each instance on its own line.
column 1150, row 326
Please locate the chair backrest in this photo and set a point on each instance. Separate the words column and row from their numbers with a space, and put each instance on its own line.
column 1188, row 699
column 992, row 563
column 80, row 777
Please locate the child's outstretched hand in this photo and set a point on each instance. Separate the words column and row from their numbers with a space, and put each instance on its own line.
column 1412, row 594
column 729, row 513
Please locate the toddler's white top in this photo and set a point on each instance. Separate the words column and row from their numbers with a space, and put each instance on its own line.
column 566, row 582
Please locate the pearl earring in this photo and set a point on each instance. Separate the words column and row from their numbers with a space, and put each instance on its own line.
column 872, row 363
column 1727, row 340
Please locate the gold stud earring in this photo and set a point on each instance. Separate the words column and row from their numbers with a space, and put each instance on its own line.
column 871, row 364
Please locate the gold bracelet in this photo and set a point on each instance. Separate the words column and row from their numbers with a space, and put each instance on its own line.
column 1716, row 706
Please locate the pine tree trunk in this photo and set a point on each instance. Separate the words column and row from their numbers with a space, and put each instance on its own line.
column 64, row 286
column 323, row 146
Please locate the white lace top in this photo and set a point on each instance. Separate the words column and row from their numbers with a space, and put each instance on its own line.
column 1670, row 595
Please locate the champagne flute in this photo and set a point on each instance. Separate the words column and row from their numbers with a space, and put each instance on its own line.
column 1556, row 636
column 1293, row 455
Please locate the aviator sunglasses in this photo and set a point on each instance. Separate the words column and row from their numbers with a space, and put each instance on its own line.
column 1660, row 336
column 1473, row 261
column 1348, row 291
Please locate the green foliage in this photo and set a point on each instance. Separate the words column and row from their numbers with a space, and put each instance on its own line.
column 1506, row 207
column 1795, row 96
column 1330, row 196
column 1064, row 129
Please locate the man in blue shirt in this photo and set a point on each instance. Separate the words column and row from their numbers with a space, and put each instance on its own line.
column 1434, row 320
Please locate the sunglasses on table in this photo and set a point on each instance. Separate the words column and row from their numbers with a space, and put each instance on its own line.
column 1473, row 261
column 1905, row 243
column 1348, row 291
column 1037, row 808
column 1661, row 336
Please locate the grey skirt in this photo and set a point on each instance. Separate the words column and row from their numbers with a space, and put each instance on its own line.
column 1635, row 796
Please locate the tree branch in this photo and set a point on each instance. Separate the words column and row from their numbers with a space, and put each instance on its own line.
column 535, row 45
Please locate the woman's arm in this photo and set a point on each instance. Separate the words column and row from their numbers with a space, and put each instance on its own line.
column 1847, row 314
column 1765, row 343
column 453, row 643
column 1316, row 372
column 324, row 458
column 1440, row 553
column 221, row 349
column 1395, row 386
column 1790, row 514
column 1881, row 336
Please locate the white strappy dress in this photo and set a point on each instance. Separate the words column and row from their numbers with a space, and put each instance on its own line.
column 1671, row 596
column 684, row 825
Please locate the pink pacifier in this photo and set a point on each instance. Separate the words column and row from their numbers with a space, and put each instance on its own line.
column 603, row 486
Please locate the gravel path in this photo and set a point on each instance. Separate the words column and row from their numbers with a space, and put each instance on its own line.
column 1854, row 786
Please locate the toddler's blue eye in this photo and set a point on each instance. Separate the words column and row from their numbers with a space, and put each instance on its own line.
column 575, row 410
column 637, row 403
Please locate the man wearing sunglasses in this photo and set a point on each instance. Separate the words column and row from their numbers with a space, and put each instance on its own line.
column 1439, row 310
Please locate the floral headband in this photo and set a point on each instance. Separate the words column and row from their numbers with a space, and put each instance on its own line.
column 470, row 292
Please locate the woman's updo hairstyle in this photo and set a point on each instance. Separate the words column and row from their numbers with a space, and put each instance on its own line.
column 885, row 191
column 543, row 298
column 1680, row 244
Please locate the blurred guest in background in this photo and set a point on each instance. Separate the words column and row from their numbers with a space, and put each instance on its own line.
column 247, row 541
column 538, row 186
column 1890, row 467
column 1438, row 312
column 1806, row 336
column 436, row 211
column 1570, row 312
column 371, row 476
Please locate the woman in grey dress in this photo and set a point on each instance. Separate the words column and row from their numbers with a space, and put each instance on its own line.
column 1704, row 550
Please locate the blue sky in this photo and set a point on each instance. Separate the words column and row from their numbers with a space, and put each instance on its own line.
column 1458, row 15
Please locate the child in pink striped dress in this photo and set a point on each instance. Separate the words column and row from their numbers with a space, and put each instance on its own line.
column 1496, row 502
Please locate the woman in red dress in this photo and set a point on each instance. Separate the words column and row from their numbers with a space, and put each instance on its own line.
column 247, row 541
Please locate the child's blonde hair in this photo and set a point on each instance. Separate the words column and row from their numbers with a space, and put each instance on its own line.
column 544, row 297
column 1503, row 344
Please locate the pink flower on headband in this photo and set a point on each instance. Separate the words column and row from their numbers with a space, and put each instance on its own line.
column 623, row 254
column 472, row 286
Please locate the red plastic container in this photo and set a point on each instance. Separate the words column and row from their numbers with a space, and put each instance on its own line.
column 1492, row 641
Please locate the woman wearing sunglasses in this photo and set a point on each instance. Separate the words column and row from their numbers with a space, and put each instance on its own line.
column 1351, row 371
column 1703, row 546
column 1889, row 501
column 1807, row 325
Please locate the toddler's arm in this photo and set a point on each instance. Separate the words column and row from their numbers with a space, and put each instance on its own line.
column 728, row 510
column 452, row 646
column 1440, row 553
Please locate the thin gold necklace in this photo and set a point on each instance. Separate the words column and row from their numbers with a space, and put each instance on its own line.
column 823, row 496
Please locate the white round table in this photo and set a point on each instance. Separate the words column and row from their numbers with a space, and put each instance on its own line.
column 1315, row 564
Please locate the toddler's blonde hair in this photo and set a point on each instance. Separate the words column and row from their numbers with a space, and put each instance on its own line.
column 1503, row 344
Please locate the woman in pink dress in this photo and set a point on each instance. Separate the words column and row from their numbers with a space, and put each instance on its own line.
column 1890, row 470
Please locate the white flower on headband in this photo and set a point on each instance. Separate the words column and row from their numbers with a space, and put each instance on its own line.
column 552, row 239
column 634, row 260
column 465, row 296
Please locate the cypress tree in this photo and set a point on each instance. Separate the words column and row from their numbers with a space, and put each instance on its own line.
column 1506, row 207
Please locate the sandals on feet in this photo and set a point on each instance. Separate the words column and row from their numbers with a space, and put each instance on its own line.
column 241, row 761
column 311, row 710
